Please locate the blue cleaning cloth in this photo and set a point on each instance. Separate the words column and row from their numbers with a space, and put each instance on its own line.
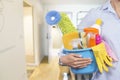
column 53, row 17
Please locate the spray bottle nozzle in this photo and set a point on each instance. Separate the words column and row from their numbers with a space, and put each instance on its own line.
column 93, row 30
column 88, row 30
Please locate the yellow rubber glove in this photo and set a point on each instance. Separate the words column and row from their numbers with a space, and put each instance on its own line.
column 102, row 58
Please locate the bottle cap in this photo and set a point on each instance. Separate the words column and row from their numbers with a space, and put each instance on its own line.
column 99, row 21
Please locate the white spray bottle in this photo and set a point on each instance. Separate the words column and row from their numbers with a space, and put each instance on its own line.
column 65, row 76
column 97, row 25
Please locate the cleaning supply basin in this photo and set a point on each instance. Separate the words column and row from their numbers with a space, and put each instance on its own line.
column 86, row 53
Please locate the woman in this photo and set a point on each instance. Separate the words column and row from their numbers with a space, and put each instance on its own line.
column 110, row 15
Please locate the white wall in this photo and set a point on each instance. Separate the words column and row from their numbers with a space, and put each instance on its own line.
column 12, row 50
column 38, row 24
column 62, row 8
column 53, row 2
column 56, row 37
column 28, row 31
column 12, row 55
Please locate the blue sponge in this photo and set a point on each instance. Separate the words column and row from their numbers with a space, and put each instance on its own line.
column 53, row 17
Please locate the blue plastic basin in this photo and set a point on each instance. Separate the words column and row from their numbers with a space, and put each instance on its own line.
column 86, row 53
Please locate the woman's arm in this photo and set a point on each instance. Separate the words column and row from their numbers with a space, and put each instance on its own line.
column 75, row 60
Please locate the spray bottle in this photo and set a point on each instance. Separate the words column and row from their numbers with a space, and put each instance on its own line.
column 91, row 33
column 65, row 76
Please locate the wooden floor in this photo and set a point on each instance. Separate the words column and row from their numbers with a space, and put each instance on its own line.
column 49, row 71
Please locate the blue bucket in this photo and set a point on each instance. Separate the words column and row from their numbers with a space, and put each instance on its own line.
column 86, row 53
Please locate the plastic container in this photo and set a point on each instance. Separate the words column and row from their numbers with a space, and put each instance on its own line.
column 65, row 76
column 91, row 32
column 86, row 53
column 97, row 25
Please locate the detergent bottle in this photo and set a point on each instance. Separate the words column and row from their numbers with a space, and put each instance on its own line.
column 91, row 34
column 97, row 25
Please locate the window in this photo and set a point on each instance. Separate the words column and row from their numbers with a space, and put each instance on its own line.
column 79, row 16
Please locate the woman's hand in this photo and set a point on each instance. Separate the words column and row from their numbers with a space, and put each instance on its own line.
column 75, row 60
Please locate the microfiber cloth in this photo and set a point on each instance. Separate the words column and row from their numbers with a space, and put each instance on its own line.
column 53, row 17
